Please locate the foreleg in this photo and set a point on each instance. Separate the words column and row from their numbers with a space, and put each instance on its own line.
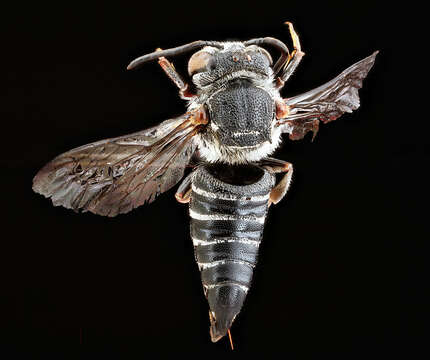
column 171, row 72
column 293, row 60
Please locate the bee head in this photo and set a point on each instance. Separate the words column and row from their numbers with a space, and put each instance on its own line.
column 220, row 60
column 234, row 59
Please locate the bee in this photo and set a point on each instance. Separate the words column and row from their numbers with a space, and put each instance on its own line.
column 234, row 121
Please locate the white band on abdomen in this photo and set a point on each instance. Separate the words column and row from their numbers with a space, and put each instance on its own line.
column 198, row 242
column 221, row 196
column 228, row 217
column 203, row 266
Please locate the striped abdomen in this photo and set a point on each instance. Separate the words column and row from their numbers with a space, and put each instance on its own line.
column 228, row 209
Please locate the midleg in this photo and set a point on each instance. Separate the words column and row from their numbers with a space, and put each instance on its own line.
column 183, row 194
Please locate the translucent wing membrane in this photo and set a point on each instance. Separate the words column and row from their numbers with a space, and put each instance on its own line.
column 114, row 176
column 327, row 102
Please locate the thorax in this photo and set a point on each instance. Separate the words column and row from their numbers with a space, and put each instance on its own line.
column 241, row 121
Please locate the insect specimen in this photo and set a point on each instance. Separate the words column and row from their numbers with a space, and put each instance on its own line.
column 234, row 121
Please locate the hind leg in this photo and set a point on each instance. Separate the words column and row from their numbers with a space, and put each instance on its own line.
column 278, row 166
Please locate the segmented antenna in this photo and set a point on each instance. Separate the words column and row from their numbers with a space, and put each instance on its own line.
column 172, row 52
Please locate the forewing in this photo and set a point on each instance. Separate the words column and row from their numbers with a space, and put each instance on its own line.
column 327, row 102
column 114, row 176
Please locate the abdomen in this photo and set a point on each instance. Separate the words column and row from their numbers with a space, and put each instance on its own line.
column 228, row 209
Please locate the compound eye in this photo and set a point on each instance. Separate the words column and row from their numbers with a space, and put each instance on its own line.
column 266, row 54
column 199, row 62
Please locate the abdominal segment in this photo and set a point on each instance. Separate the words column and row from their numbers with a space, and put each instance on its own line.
column 227, row 222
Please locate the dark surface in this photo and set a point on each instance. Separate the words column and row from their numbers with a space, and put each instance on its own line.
column 227, row 297
column 226, row 110
column 342, row 264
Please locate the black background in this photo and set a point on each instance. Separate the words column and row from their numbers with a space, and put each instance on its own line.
column 341, row 268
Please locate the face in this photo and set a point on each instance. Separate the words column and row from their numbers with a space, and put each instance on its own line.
column 211, row 64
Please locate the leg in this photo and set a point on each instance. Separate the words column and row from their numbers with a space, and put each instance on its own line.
column 171, row 72
column 293, row 59
column 278, row 166
column 183, row 194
